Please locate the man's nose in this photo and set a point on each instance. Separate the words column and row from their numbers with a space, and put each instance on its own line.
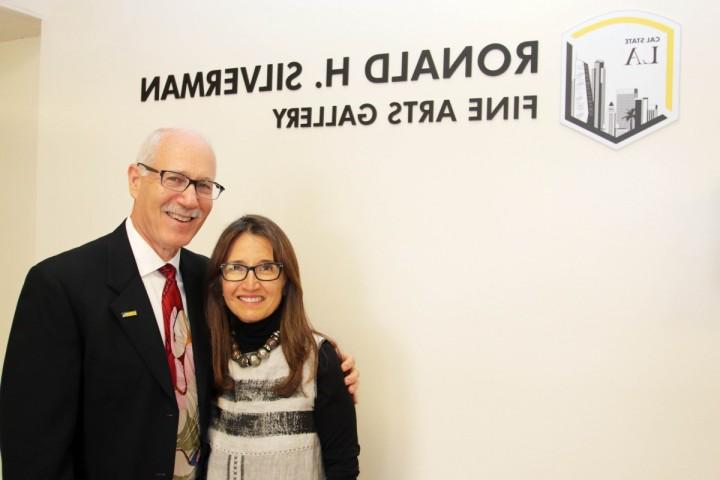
column 190, row 197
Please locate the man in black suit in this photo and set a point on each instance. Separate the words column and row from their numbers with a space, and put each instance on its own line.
column 90, row 388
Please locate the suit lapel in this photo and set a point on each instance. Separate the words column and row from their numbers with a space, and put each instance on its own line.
column 132, row 308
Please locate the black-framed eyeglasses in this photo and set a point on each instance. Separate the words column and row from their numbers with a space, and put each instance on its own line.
column 237, row 272
column 177, row 182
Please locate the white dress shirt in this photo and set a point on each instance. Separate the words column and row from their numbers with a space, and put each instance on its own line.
column 148, row 262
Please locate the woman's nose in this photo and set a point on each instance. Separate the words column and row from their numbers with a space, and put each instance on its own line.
column 251, row 280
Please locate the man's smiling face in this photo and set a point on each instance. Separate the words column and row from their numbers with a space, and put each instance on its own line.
column 166, row 219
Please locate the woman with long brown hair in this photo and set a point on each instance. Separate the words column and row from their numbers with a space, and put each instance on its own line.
column 281, row 413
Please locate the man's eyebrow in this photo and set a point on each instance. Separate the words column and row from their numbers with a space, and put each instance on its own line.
column 202, row 179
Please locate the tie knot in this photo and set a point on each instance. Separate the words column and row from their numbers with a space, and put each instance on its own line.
column 168, row 270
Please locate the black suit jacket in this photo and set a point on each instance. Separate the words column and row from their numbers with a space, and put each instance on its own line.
column 86, row 390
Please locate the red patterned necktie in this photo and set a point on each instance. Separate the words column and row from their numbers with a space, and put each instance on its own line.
column 178, row 351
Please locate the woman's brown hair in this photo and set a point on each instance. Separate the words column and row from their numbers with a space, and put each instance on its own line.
column 296, row 335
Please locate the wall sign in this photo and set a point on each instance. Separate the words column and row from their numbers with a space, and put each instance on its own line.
column 379, row 69
column 620, row 76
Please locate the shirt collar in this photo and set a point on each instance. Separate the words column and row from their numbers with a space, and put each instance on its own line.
column 146, row 258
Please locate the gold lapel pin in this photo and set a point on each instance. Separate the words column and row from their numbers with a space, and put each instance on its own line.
column 131, row 313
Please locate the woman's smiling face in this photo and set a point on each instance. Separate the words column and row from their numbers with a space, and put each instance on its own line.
column 252, row 300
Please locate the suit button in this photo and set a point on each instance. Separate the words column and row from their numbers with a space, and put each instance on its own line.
column 170, row 414
column 161, row 474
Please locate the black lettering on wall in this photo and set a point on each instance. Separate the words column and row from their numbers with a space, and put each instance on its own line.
column 463, row 58
column 344, row 71
column 483, row 55
column 526, row 56
column 152, row 89
column 192, row 86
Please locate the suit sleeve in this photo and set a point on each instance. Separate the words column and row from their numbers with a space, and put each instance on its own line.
column 335, row 418
column 40, row 389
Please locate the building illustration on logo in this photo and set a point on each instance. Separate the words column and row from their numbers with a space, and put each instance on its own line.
column 620, row 76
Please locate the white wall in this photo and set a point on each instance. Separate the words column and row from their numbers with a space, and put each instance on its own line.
column 18, row 151
column 523, row 302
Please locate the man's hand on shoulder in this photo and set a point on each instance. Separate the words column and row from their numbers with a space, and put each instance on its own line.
column 352, row 375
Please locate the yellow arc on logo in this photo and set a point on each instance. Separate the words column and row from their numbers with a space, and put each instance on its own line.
column 649, row 23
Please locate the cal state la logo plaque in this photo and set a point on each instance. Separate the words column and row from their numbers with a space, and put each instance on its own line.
column 620, row 76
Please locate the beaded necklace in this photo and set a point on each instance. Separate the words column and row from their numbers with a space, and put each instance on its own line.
column 253, row 359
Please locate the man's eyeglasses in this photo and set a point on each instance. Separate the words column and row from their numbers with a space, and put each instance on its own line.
column 177, row 182
column 237, row 272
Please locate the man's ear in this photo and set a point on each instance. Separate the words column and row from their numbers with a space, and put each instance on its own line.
column 134, row 178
